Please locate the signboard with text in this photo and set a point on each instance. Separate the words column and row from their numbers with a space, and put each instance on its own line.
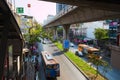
column 20, row 10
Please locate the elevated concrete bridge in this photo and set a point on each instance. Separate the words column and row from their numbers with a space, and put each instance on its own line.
column 113, row 5
column 76, row 14
column 86, row 10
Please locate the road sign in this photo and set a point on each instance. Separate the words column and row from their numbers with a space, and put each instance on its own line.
column 20, row 10
column 28, row 5
column 66, row 44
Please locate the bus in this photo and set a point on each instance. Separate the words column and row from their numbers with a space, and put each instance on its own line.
column 51, row 66
column 85, row 49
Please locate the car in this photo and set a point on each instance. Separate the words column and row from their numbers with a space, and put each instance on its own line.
column 79, row 53
column 44, row 42
column 72, row 45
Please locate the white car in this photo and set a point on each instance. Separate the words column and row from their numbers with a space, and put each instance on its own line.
column 72, row 45
column 79, row 53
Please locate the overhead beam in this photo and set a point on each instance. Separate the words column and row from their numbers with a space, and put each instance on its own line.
column 112, row 5
column 81, row 14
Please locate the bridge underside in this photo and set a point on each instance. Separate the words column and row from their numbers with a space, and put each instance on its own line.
column 82, row 14
column 98, row 4
column 88, row 10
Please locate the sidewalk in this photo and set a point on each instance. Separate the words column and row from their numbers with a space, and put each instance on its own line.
column 30, row 72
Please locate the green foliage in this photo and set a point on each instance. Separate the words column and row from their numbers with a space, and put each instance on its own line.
column 100, row 33
column 26, row 37
column 97, row 61
column 59, row 45
column 47, row 33
column 60, row 29
column 34, row 33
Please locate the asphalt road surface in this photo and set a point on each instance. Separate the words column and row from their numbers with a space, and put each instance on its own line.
column 67, row 70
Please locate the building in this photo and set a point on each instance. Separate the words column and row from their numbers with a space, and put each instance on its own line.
column 114, row 34
column 13, row 66
column 49, row 18
column 60, row 7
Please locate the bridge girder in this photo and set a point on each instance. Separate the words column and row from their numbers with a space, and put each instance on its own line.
column 82, row 14
column 112, row 5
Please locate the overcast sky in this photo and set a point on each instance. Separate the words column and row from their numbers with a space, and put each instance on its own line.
column 38, row 9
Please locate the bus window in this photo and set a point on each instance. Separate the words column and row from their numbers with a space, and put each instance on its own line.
column 54, row 66
column 79, row 48
column 49, row 67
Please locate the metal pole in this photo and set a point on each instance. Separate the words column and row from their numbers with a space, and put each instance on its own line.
column 14, row 6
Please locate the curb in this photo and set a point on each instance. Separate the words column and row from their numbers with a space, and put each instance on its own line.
column 78, row 68
column 75, row 65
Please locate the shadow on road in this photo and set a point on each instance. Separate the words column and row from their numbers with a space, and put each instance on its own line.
column 58, row 53
column 51, row 78
column 52, row 45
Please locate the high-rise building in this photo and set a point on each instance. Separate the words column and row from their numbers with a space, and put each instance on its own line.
column 60, row 7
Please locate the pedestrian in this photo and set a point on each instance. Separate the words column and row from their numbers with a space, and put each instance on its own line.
column 36, row 67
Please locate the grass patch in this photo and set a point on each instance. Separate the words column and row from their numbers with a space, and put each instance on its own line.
column 59, row 45
column 82, row 65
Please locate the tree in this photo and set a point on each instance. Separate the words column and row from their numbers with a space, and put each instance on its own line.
column 34, row 33
column 97, row 61
column 101, row 35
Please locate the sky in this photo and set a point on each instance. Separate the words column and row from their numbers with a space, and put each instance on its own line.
column 39, row 9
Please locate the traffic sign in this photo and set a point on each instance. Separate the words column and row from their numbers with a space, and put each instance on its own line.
column 20, row 10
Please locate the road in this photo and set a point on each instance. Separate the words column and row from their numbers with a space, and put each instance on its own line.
column 67, row 70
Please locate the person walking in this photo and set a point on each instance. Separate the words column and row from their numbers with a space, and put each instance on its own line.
column 36, row 66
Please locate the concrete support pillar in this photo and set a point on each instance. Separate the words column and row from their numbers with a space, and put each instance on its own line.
column 66, row 37
column 17, row 50
column 55, row 33
column 21, row 60
column 66, row 31
column 3, row 50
